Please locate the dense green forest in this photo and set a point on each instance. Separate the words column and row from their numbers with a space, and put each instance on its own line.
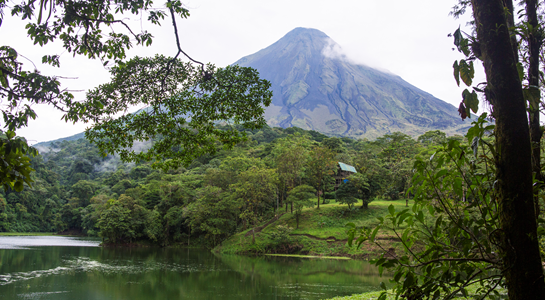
column 77, row 190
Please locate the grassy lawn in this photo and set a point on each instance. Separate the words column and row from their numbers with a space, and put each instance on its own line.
column 321, row 232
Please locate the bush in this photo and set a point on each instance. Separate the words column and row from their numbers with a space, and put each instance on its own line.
column 329, row 195
column 281, row 235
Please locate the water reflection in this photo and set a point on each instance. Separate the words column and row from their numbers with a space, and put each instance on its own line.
column 24, row 242
column 83, row 272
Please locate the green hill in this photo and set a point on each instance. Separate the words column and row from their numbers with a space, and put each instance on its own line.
column 321, row 232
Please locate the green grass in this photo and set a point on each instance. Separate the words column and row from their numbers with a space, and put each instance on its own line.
column 472, row 290
column 370, row 295
column 321, row 232
column 308, row 256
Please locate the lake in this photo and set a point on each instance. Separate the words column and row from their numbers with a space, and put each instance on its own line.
column 52, row 267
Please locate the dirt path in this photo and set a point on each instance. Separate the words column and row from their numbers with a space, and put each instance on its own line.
column 259, row 228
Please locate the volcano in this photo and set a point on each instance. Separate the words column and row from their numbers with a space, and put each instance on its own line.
column 317, row 88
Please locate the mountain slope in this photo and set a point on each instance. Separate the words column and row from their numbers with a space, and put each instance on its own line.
column 316, row 88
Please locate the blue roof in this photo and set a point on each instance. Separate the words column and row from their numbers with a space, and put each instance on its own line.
column 348, row 168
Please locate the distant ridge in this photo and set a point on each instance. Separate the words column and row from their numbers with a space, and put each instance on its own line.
column 74, row 137
column 316, row 87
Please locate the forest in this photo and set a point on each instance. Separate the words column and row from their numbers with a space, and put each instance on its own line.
column 76, row 190
column 477, row 213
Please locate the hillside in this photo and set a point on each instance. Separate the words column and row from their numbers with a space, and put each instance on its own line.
column 321, row 232
column 317, row 88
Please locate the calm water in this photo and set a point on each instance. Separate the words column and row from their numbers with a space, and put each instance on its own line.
column 75, row 268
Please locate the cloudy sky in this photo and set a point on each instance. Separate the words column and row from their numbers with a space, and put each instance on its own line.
column 407, row 38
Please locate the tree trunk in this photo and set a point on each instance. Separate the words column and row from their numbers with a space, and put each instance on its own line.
column 519, row 246
column 511, row 23
column 323, row 189
column 534, row 44
column 319, row 199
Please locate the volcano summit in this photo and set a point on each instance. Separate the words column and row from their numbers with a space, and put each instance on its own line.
column 316, row 88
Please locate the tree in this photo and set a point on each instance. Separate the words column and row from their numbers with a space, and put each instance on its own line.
column 436, row 137
column 214, row 213
column 397, row 151
column 520, row 251
column 123, row 220
column 491, row 239
column 301, row 197
column 290, row 157
column 255, row 189
column 321, row 162
column 346, row 194
column 114, row 223
column 183, row 100
column 83, row 190
column 365, row 189
column 335, row 144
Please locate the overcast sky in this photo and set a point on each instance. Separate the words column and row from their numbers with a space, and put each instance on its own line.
column 407, row 38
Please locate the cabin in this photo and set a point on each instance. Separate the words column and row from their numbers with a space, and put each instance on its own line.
column 343, row 171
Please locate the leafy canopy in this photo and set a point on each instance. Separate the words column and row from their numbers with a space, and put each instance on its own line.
column 183, row 101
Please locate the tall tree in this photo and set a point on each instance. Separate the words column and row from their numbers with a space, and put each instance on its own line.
column 534, row 41
column 255, row 189
column 483, row 189
column 290, row 157
column 321, row 163
column 520, row 251
column 300, row 197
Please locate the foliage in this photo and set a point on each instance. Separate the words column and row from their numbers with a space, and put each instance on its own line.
column 181, row 110
column 183, row 101
column 450, row 233
column 435, row 137
column 15, row 162
column 202, row 204
column 301, row 197
column 346, row 194
column 290, row 157
column 320, row 164
column 281, row 236
column 213, row 213
column 397, row 151
column 255, row 189
column 365, row 190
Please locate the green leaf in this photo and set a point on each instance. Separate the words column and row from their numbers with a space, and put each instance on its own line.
column 441, row 173
column 532, row 95
column 458, row 186
column 374, row 233
column 391, row 209
column 471, row 100
column 475, row 145
column 520, row 69
column 467, row 72
column 456, row 68
column 458, row 37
